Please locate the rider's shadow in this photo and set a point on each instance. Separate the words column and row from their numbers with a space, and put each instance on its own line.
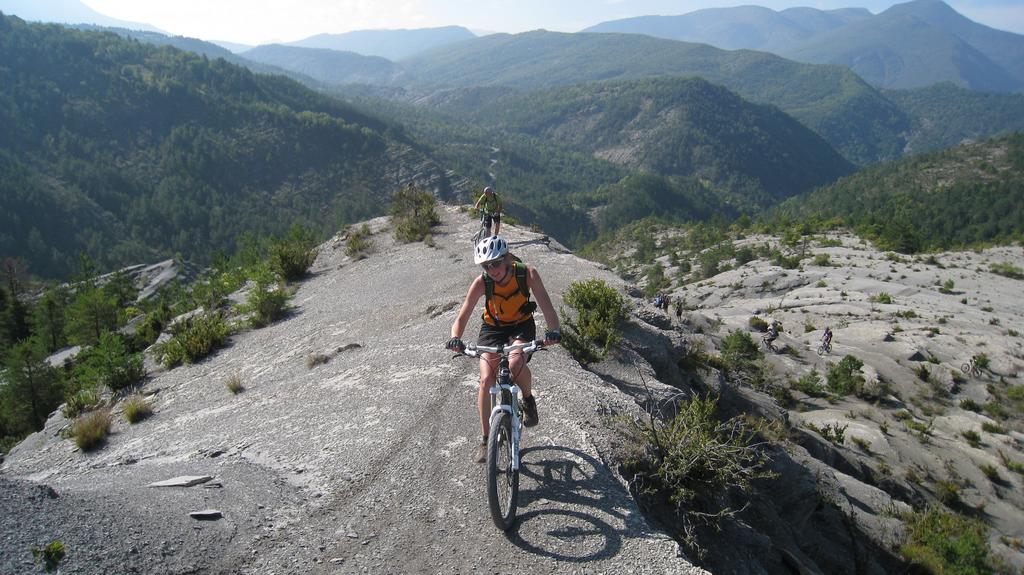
column 565, row 497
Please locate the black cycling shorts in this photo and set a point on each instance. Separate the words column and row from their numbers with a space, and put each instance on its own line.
column 493, row 336
column 489, row 217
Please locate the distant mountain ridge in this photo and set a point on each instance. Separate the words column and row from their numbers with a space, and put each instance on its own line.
column 391, row 44
column 910, row 45
column 65, row 12
column 741, row 27
column 326, row 65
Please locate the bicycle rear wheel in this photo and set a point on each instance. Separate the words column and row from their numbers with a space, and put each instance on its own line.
column 502, row 480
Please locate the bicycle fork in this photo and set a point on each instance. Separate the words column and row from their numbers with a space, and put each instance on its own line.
column 498, row 405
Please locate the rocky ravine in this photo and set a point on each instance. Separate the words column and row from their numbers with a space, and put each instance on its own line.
column 912, row 321
column 359, row 464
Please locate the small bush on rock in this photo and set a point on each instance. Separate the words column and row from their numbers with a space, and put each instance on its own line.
column 758, row 324
column 109, row 363
column 136, row 408
column 359, row 244
column 193, row 339
column 844, row 377
column 944, row 542
column 292, row 256
column 693, row 461
column 594, row 326
column 738, row 347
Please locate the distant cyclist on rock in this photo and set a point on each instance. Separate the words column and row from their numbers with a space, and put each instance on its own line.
column 490, row 205
column 507, row 318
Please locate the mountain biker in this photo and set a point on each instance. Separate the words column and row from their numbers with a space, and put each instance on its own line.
column 491, row 208
column 507, row 318
column 826, row 337
column 773, row 331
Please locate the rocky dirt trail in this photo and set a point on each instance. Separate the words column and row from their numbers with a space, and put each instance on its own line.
column 359, row 462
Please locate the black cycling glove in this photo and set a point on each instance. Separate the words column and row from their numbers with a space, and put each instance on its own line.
column 555, row 336
column 455, row 344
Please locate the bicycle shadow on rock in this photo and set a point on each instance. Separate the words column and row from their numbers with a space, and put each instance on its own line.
column 560, row 477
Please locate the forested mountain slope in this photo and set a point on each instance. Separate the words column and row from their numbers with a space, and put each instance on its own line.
column 851, row 115
column 962, row 196
column 755, row 155
column 946, row 115
column 130, row 152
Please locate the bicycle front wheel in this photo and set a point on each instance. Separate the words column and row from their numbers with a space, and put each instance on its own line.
column 821, row 349
column 966, row 368
column 502, row 479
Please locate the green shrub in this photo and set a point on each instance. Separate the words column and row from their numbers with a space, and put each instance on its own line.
column 49, row 556
column 758, row 324
column 291, row 257
column 266, row 305
column 192, row 339
column 136, row 408
column 359, row 243
column 810, row 383
column 922, row 372
column 990, row 472
column 832, row 432
column 234, row 384
column 982, row 361
column 947, row 287
column 79, row 402
column 413, row 214
column 973, row 437
column 822, row 260
column 109, row 363
column 693, row 460
column 947, row 492
column 947, row 543
column 91, row 429
column 988, row 427
column 738, row 347
column 594, row 326
column 882, row 298
column 970, row 405
column 1008, row 270
column 844, row 377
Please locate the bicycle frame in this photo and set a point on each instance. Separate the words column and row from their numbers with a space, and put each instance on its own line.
column 504, row 392
column 504, row 397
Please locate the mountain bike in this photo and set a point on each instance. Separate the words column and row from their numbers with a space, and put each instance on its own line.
column 825, row 348
column 768, row 343
column 506, row 432
column 484, row 231
column 971, row 368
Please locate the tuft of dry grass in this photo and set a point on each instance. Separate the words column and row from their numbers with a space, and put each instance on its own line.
column 315, row 359
column 136, row 408
column 90, row 430
column 234, row 384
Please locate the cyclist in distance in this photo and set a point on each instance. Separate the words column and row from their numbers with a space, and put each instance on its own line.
column 506, row 285
column 826, row 337
column 490, row 204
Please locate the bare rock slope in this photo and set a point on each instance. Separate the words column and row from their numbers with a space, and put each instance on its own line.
column 360, row 463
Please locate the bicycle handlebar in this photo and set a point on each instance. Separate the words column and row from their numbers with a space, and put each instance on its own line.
column 473, row 350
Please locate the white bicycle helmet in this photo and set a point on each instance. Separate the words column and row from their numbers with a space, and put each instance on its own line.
column 489, row 249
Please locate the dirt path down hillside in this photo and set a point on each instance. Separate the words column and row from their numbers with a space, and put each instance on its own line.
column 359, row 464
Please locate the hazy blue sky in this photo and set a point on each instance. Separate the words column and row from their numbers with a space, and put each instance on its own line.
column 263, row 21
